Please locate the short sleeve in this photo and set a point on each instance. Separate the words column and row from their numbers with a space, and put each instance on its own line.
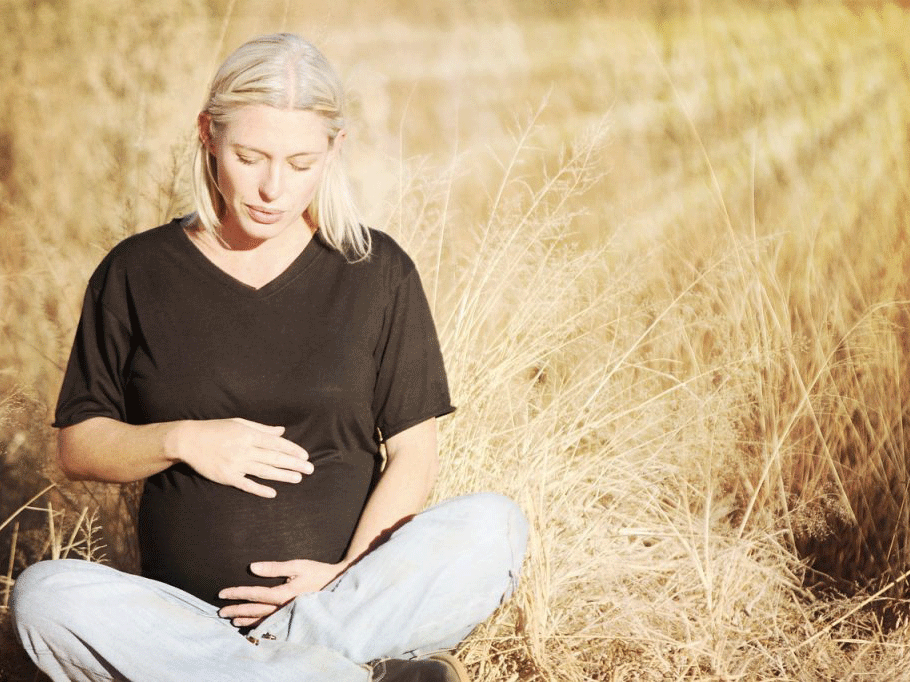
column 411, row 383
column 95, row 374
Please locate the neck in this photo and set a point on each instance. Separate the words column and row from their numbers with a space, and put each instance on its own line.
column 254, row 262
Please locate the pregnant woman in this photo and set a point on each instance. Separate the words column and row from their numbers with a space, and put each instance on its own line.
column 270, row 368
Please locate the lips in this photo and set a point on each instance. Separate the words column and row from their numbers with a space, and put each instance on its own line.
column 264, row 216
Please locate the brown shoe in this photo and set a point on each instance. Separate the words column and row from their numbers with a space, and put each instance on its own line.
column 434, row 668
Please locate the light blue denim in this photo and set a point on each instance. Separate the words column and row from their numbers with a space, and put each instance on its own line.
column 424, row 590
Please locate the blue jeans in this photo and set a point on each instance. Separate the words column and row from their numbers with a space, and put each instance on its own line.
column 423, row 590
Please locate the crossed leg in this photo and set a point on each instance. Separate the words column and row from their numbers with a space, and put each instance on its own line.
column 423, row 590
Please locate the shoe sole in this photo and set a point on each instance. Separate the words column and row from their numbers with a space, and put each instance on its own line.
column 453, row 663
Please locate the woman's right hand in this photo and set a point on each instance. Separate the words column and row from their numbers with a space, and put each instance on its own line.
column 228, row 451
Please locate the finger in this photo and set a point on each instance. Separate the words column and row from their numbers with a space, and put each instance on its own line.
column 289, row 462
column 250, row 486
column 247, row 610
column 254, row 594
column 271, row 473
column 265, row 428
column 282, row 445
column 276, row 569
column 245, row 622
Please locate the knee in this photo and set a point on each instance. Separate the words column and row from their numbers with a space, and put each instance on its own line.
column 502, row 513
column 31, row 588
column 496, row 522
column 39, row 592
column 511, row 521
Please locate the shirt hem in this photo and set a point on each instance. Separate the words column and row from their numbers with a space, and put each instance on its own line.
column 405, row 425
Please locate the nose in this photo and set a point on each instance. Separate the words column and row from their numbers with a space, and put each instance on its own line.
column 271, row 183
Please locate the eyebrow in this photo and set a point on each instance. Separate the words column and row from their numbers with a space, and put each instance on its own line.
column 253, row 150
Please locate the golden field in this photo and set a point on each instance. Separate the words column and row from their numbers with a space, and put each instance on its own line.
column 667, row 249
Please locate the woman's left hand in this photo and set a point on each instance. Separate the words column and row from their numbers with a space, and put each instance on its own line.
column 302, row 575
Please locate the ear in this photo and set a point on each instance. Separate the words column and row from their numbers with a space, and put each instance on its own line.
column 204, row 123
column 337, row 143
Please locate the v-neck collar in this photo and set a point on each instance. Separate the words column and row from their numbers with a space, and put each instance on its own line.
column 296, row 266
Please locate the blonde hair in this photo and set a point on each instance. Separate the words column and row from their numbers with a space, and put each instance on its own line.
column 287, row 72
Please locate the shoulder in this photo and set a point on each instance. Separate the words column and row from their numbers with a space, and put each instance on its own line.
column 388, row 257
column 137, row 252
column 147, row 242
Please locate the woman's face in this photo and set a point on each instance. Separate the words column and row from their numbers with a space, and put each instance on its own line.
column 269, row 163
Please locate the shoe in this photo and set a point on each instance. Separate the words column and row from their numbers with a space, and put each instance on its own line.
column 434, row 668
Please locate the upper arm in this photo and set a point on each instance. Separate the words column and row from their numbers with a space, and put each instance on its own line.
column 72, row 441
column 418, row 441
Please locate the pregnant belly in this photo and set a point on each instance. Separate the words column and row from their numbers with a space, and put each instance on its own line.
column 201, row 536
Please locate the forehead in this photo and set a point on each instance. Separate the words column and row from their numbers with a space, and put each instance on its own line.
column 278, row 131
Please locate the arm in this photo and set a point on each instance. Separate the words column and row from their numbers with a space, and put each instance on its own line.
column 104, row 449
column 402, row 490
column 222, row 450
column 404, row 487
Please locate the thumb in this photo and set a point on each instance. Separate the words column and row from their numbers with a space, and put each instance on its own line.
column 265, row 428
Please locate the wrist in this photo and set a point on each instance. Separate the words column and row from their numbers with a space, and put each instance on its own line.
column 173, row 441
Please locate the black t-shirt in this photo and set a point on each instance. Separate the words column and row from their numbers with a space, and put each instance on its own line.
column 332, row 351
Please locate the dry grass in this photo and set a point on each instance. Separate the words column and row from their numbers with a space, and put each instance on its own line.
column 672, row 298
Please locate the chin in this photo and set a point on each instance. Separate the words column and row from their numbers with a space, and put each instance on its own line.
column 249, row 229
column 259, row 232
